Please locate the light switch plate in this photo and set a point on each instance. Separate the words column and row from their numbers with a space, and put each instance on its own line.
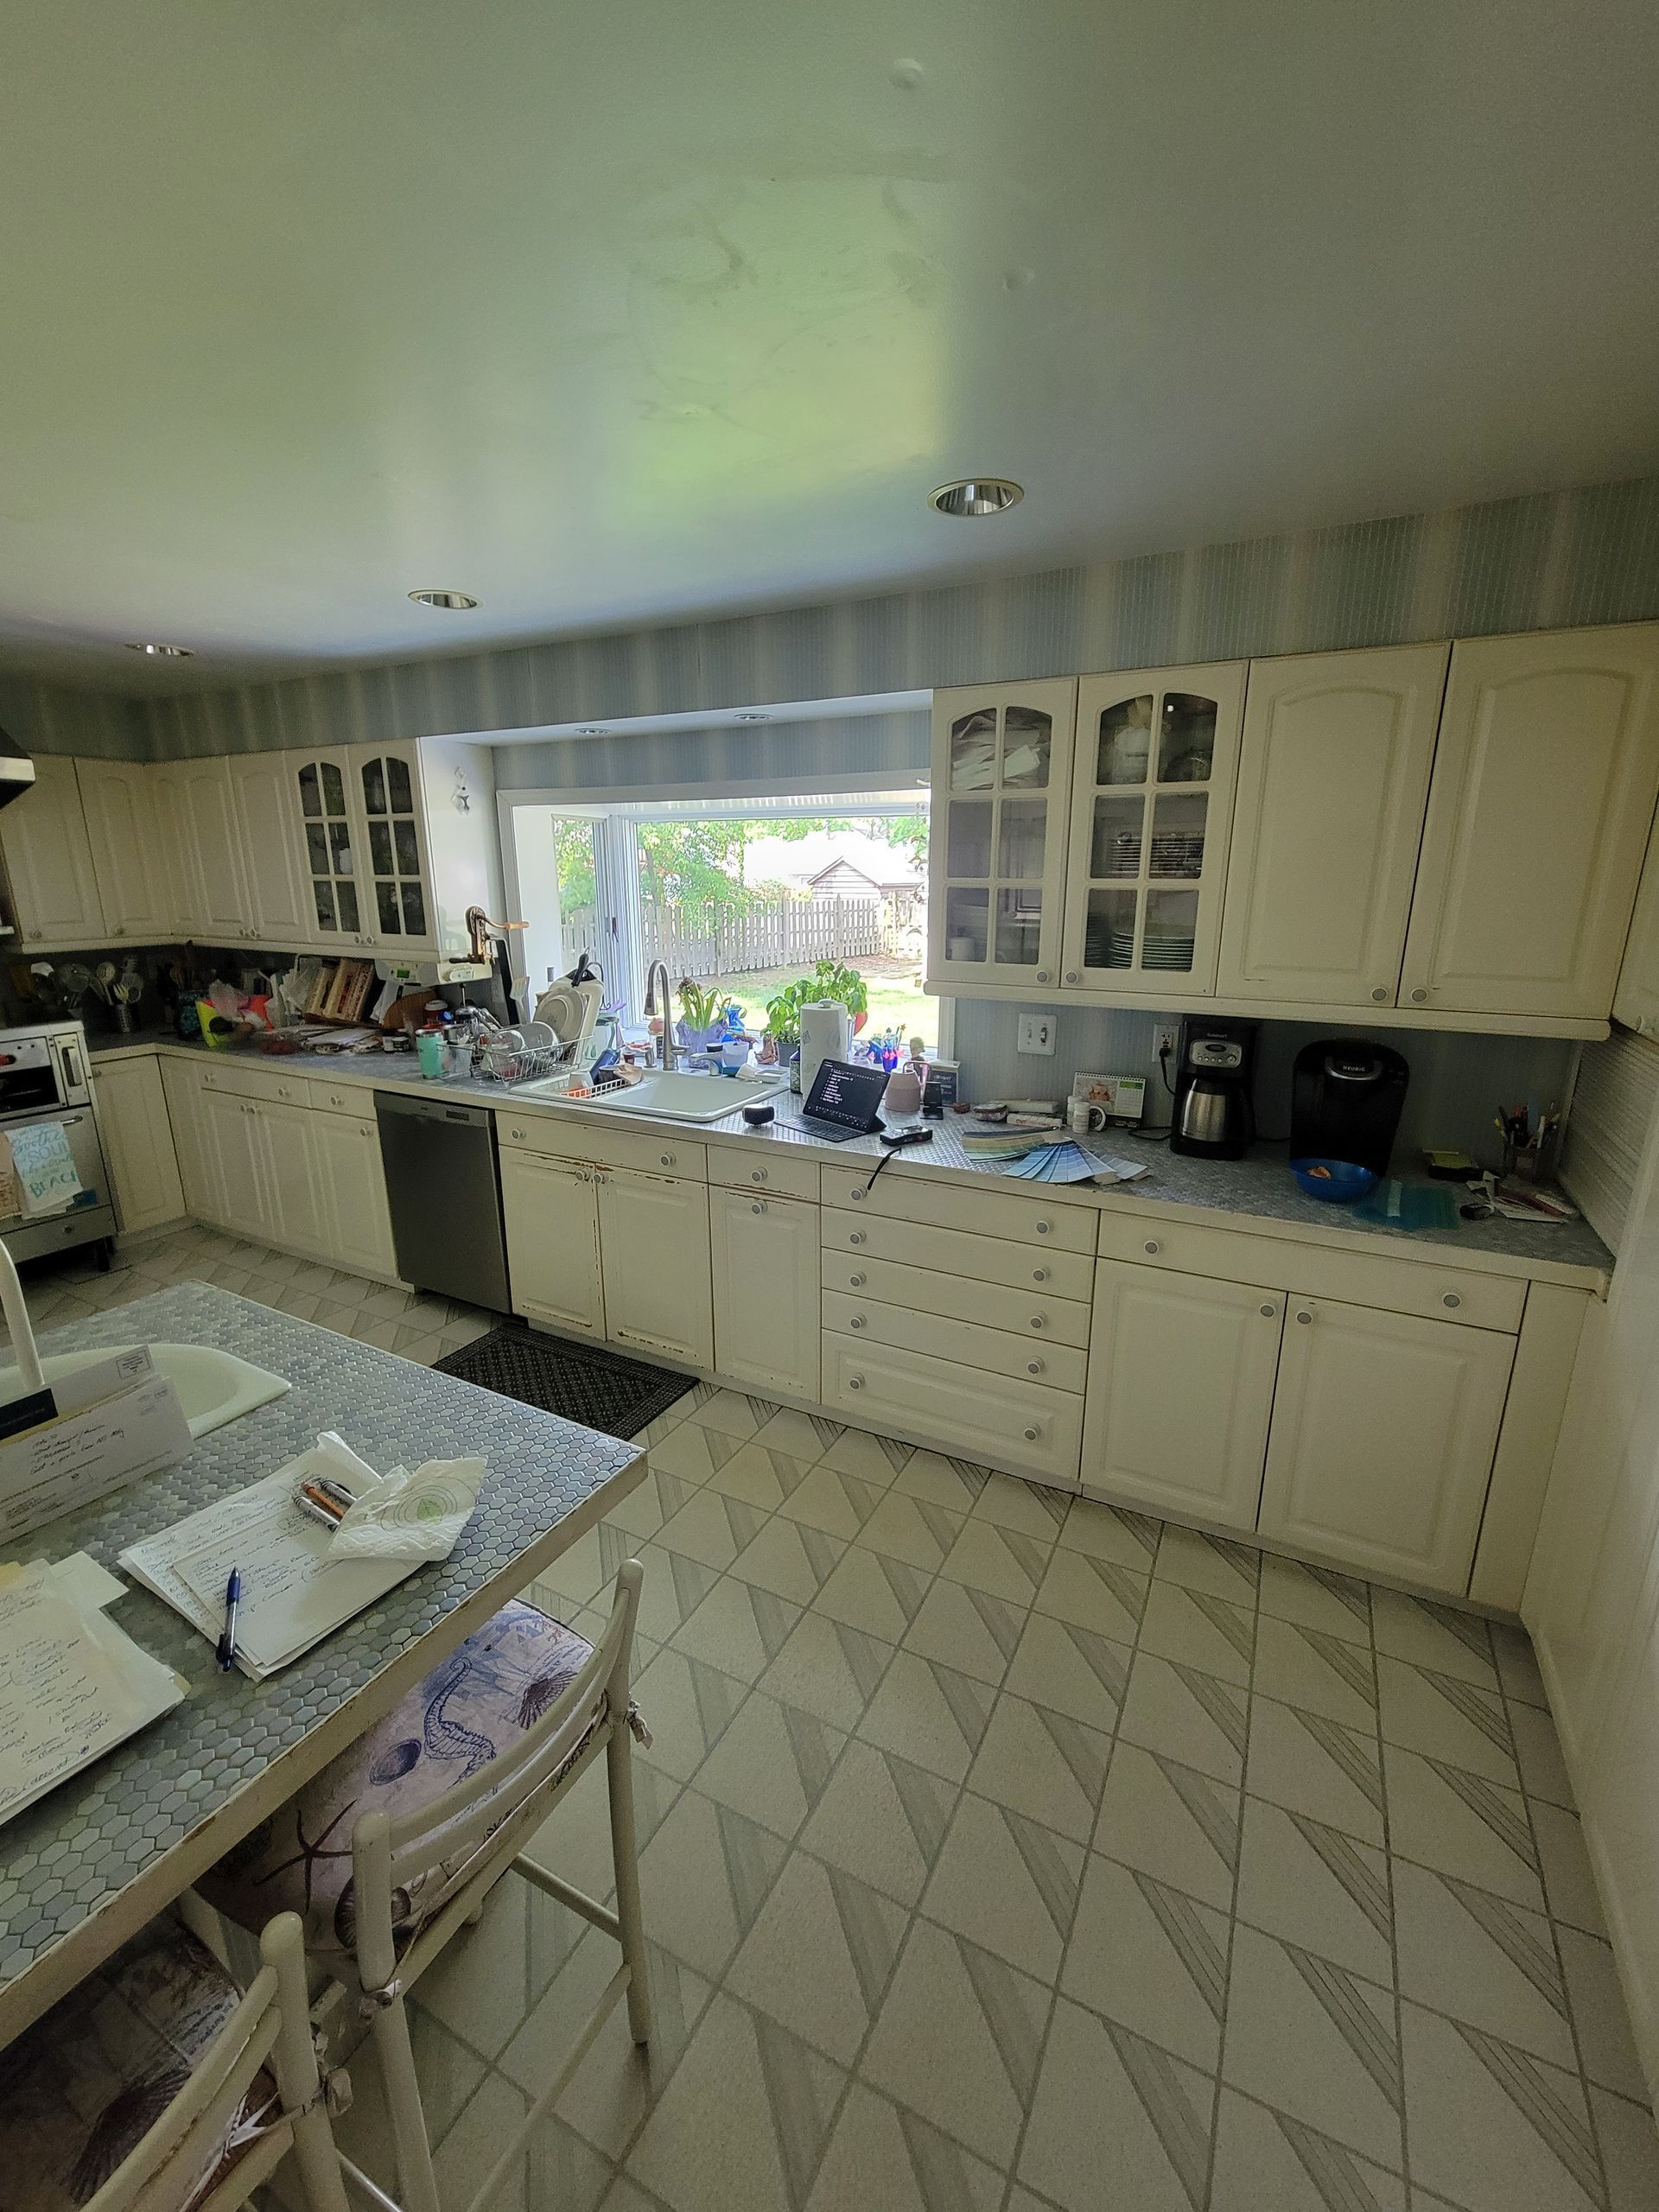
column 1036, row 1033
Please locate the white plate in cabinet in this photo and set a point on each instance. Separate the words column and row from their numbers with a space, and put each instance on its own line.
column 958, row 1297
column 1023, row 1426
column 653, row 1241
column 763, row 1263
column 993, row 1351
column 1381, row 1446
column 1180, row 1390
column 986, row 1259
column 551, row 1208
column 764, row 1167
column 1332, row 787
column 1060, row 1228
column 1001, row 778
column 1152, row 809
column 1538, row 814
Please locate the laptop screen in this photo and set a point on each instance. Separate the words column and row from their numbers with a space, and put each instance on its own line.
column 848, row 1093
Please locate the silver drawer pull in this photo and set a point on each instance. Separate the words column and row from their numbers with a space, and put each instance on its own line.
column 515, row 1133
column 1303, row 1315
column 856, row 1237
column 1034, row 1366
column 1379, row 995
column 757, row 1205
column 857, row 1282
column 1152, row 1245
column 1268, row 1312
column 854, row 1382
column 857, row 1321
column 667, row 1159
column 859, row 1197
column 1039, row 1274
column 1418, row 997
column 1043, row 1228
column 1450, row 1299
column 1039, row 1320
column 1032, row 1435
column 758, row 1175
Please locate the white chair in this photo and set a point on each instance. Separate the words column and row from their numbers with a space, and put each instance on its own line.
column 423, row 1848
column 149, row 2088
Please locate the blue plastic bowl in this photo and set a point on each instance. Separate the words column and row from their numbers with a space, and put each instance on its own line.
column 1342, row 1183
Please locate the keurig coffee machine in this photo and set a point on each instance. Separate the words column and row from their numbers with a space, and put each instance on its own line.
column 1345, row 1097
column 1215, row 1064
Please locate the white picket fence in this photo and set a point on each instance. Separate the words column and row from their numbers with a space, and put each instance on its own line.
column 700, row 938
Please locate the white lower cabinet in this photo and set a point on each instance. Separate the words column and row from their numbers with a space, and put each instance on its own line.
column 551, row 1211
column 1180, row 1392
column 291, row 1209
column 653, row 1240
column 138, row 1146
column 187, row 1101
column 764, row 1269
column 233, row 1179
column 357, row 1220
column 984, row 1416
column 1383, row 1431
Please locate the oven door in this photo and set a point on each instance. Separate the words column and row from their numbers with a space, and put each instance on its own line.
column 31, row 1077
column 92, row 1214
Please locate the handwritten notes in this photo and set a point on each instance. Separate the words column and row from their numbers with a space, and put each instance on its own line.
column 45, row 1166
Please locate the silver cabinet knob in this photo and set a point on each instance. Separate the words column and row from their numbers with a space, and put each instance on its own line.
column 515, row 1133
column 1303, row 1315
column 1268, row 1312
column 1152, row 1245
column 857, row 1282
column 1039, row 1320
column 1044, row 1227
column 1034, row 1366
column 856, row 1237
column 1450, row 1299
column 758, row 1206
column 1032, row 1435
column 1417, row 997
column 859, row 1197
column 1042, row 975
column 854, row 1382
column 1039, row 1274
column 1071, row 975
column 857, row 1321
column 1379, row 995
column 758, row 1175
column 666, row 1158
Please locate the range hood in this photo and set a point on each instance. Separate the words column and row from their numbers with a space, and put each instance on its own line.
column 16, row 770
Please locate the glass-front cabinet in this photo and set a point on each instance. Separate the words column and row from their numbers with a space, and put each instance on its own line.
column 397, row 880
column 1151, row 810
column 323, row 782
column 996, row 870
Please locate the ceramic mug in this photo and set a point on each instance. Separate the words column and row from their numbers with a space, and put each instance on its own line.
column 1084, row 1116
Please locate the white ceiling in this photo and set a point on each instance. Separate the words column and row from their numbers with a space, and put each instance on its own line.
column 609, row 314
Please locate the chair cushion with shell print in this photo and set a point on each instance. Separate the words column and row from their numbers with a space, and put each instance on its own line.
column 470, row 1707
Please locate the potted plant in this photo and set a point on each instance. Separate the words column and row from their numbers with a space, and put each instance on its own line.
column 703, row 1015
column 831, row 979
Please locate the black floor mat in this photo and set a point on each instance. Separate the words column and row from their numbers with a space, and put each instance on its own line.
column 601, row 1389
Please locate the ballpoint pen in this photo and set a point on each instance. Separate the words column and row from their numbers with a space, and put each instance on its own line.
column 227, row 1641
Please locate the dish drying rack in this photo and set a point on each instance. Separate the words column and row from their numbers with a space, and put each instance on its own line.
column 510, row 1064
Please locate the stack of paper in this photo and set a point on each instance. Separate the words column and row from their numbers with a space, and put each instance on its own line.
column 292, row 1593
column 72, row 1684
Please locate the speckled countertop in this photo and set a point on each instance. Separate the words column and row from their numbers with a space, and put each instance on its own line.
column 1253, row 1194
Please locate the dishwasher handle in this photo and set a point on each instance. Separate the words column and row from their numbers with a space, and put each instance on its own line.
column 389, row 1102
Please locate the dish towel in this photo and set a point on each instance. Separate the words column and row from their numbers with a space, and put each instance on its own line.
column 45, row 1168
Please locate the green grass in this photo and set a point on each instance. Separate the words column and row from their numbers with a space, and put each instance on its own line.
column 894, row 988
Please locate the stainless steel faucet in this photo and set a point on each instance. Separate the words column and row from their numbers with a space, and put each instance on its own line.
column 669, row 1051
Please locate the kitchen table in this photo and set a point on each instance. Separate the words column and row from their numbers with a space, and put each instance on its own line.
column 106, row 1851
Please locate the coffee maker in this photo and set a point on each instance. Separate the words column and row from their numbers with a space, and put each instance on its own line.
column 1345, row 1099
column 1215, row 1066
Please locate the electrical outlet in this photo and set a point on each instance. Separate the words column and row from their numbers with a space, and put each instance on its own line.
column 1164, row 1034
column 1036, row 1033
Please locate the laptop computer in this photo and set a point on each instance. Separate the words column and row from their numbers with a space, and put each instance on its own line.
column 844, row 1103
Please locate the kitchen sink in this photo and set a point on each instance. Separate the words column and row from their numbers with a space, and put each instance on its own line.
column 677, row 1097
column 215, row 1387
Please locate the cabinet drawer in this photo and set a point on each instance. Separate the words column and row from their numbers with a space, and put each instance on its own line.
column 555, row 1139
column 947, row 1205
column 1019, row 1425
column 1061, row 1274
column 355, row 1099
column 1026, row 1313
column 765, row 1165
column 992, row 1352
column 257, row 1083
column 1438, row 1292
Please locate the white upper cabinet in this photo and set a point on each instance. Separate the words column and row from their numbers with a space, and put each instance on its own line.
column 330, row 842
column 1152, row 806
column 212, row 840
column 1001, row 778
column 50, row 859
column 1635, row 996
column 273, row 872
column 123, row 804
column 395, row 871
column 1332, row 787
column 1538, row 816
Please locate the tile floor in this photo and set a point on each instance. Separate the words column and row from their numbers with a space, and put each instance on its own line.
column 1003, row 1852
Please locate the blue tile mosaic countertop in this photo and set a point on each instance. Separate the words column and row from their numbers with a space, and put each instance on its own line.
column 68, row 1857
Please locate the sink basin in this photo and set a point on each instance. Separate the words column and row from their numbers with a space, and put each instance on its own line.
column 215, row 1387
column 677, row 1097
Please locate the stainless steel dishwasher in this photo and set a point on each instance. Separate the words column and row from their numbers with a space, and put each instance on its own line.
column 444, row 1189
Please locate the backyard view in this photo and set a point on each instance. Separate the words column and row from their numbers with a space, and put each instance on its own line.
column 753, row 906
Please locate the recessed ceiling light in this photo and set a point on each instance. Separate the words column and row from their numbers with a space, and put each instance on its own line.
column 160, row 652
column 456, row 602
column 753, row 715
column 978, row 495
column 591, row 729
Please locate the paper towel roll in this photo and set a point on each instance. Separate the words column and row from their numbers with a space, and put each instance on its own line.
column 826, row 1034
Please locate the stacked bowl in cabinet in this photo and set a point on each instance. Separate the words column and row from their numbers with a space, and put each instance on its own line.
column 959, row 1317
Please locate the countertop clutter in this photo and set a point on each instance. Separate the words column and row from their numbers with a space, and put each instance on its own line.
column 1237, row 1194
